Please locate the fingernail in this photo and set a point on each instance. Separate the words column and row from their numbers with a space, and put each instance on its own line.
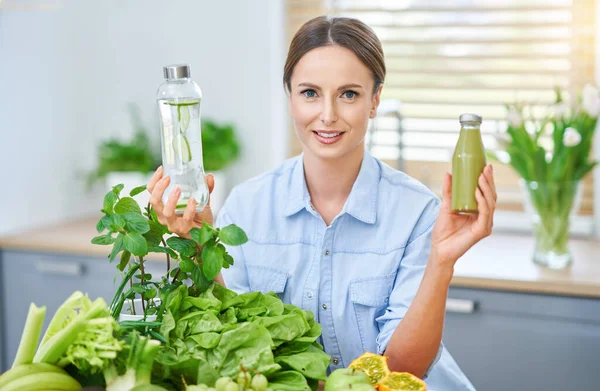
column 177, row 190
column 160, row 168
column 193, row 200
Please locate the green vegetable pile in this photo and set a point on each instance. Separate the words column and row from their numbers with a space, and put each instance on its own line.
column 211, row 335
column 191, row 334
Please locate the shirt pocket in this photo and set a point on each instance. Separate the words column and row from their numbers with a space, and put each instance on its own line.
column 266, row 279
column 370, row 298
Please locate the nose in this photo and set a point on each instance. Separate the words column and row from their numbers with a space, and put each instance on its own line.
column 328, row 112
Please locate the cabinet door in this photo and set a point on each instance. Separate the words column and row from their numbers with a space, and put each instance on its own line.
column 511, row 341
column 46, row 280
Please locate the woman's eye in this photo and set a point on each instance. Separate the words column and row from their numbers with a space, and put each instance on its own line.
column 349, row 94
column 309, row 93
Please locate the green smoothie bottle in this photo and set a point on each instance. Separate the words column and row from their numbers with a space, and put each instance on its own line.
column 468, row 163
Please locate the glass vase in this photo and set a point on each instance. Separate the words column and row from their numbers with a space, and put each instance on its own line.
column 551, row 205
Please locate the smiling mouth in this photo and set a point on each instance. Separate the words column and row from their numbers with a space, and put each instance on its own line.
column 327, row 134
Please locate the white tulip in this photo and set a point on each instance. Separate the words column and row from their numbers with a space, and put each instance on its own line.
column 591, row 100
column 559, row 110
column 514, row 117
column 571, row 137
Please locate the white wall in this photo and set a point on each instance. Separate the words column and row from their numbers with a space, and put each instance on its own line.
column 67, row 75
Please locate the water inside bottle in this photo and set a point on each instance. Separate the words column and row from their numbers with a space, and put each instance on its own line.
column 182, row 150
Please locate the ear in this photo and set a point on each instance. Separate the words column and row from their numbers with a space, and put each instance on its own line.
column 375, row 102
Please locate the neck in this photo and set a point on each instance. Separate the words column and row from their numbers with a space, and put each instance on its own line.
column 330, row 181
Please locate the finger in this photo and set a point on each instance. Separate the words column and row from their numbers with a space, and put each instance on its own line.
column 489, row 175
column 447, row 190
column 157, row 193
column 188, row 214
column 155, row 178
column 171, row 204
column 484, row 227
column 210, row 182
column 487, row 191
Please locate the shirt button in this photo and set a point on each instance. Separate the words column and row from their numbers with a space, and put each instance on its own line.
column 336, row 361
column 324, row 306
column 309, row 295
column 326, row 252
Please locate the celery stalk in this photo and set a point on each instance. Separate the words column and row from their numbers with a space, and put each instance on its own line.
column 42, row 382
column 51, row 351
column 64, row 312
column 30, row 336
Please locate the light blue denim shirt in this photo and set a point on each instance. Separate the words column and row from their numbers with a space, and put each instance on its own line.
column 359, row 275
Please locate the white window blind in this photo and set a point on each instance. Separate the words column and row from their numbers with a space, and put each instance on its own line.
column 447, row 58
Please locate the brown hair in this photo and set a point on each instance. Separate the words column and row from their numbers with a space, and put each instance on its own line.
column 349, row 33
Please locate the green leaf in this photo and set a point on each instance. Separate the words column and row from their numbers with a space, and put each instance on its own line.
column 118, row 188
column 147, row 276
column 153, row 215
column 202, row 235
column 103, row 240
column 186, row 265
column 150, row 293
column 183, row 246
column 311, row 364
column 135, row 222
column 117, row 223
column 137, row 190
column 232, row 235
column 127, row 204
column 109, row 202
column 228, row 259
column 212, row 261
column 288, row 381
column 117, row 247
column 135, row 243
column 164, row 250
column 125, row 257
column 199, row 279
column 103, row 223
column 155, row 234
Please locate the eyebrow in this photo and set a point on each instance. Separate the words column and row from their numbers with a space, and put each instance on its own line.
column 344, row 87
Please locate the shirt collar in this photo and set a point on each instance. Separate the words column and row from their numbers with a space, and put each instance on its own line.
column 298, row 197
column 362, row 201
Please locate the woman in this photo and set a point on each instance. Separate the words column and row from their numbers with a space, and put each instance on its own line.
column 369, row 250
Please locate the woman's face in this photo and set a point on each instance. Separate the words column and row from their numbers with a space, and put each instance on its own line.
column 331, row 101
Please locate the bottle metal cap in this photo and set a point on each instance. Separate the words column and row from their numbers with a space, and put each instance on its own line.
column 177, row 71
column 468, row 117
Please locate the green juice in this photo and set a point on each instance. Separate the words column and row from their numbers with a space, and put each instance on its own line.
column 468, row 163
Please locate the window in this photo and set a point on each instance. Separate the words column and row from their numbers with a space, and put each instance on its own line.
column 447, row 58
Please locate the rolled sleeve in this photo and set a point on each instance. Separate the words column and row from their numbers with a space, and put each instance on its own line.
column 236, row 276
column 408, row 279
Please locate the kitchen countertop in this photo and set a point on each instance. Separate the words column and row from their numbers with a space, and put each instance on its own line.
column 501, row 261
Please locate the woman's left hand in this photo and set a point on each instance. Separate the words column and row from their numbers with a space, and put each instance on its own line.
column 453, row 234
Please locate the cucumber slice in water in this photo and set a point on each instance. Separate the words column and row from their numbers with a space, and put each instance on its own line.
column 183, row 113
column 181, row 145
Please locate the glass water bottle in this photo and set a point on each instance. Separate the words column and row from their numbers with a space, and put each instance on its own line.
column 179, row 99
column 468, row 163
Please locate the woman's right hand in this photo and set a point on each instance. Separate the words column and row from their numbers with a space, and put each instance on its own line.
column 176, row 223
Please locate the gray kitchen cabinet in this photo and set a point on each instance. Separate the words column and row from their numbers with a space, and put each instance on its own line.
column 47, row 280
column 520, row 341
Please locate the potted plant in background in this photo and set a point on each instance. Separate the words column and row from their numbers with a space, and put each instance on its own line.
column 220, row 148
column 552, row 156
column 128, row 162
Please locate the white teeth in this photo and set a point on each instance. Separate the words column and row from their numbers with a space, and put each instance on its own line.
column 328, row 135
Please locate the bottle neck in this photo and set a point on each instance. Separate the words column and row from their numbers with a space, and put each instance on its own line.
column 470, row 126
column 178, row 80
